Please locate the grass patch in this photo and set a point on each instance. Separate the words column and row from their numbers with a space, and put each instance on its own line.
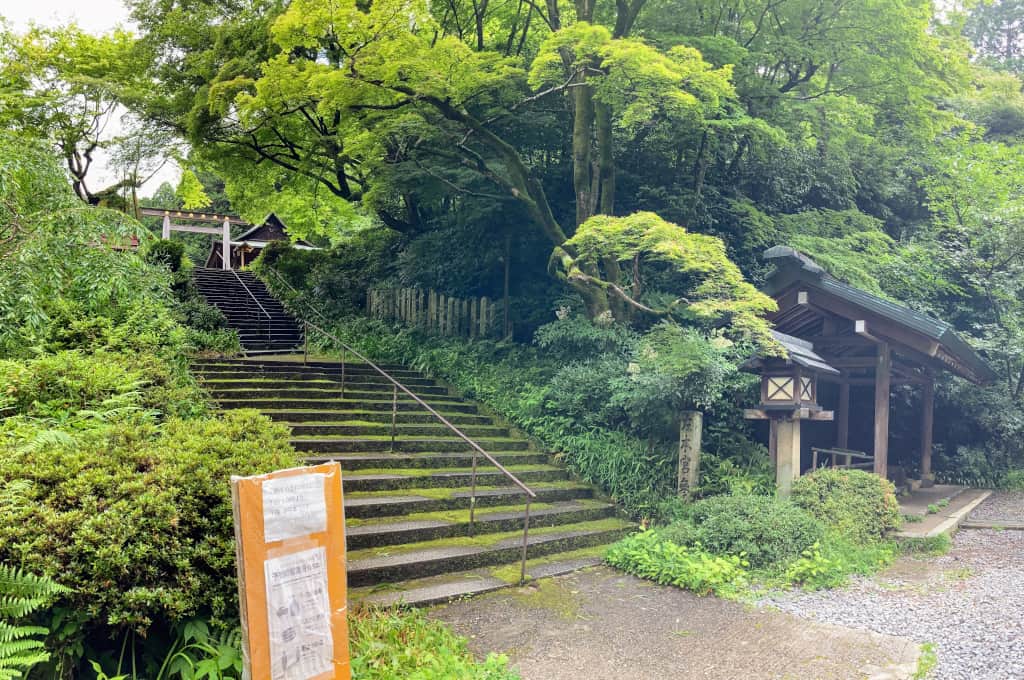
column 913, row 519
column 926, row 662
column 388, row 644
column 929, row 546
column 551, row 595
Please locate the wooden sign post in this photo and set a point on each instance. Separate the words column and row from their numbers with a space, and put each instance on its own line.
column 290, row 537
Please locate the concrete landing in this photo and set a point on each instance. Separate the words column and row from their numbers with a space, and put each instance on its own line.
column 960, row 502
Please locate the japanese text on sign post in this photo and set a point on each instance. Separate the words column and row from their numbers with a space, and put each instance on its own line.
column 290, row 531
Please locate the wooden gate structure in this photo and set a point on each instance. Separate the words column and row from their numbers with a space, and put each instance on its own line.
column 838, row 333
column 191, row 218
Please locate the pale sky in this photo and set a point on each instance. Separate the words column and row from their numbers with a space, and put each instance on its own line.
column 95, row 16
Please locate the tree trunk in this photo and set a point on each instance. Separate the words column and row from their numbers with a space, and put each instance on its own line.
column 582, row 168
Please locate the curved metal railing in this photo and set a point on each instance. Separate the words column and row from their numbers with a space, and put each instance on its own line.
column 398, row 386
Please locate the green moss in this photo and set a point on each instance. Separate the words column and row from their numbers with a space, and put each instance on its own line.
column 462, row 515
column 510, row 573
column 550, row 595
column 448, row 492
column 486, row 540
column 426, row 472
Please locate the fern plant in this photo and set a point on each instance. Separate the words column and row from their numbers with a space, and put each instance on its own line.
column 21, row 594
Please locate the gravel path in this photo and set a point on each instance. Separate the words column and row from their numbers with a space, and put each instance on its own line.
column 1001, row 505
column 968, row 603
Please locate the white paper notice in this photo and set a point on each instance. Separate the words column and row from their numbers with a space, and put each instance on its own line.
column 301, row 645
column 293, row 507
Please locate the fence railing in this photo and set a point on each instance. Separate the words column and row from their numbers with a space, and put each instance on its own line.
column 436, row 312
column 397, row 387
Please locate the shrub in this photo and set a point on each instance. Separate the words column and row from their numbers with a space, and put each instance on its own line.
column 136, row 518
column 859, row 505
column 166, row 252
column 1013, row 481
column 680, row 532
column 393, row 644
column 649, row 556
column 768, row 530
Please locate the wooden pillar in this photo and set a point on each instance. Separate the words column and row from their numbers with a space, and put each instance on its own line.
column 225, row 248
column 843, row 420
column 787, row 453
column 883, row 380
column 927, row 419
column 165, row 232
column 691, row 427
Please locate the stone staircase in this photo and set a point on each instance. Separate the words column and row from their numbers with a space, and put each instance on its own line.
column 407, row 506
column 266, row 329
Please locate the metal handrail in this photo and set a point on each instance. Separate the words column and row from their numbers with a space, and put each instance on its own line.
column 396, row 386
column 263, row 309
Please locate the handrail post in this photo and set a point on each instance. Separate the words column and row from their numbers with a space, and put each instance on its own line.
column 526, row 534
column 394, row 416
column 472, row 499
column 305, row 343
column 342, row 372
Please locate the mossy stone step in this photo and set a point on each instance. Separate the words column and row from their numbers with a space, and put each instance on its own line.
column 369, row 505
column 447, row 587
column 311, row 417
column 429, row 561
column 340, row 404
column 486, row 477
column 396, row 531
column 321, row 381
column 442, row 459
column 334, row 391
column 382, row 429
column 405, row 444
column 264, row 364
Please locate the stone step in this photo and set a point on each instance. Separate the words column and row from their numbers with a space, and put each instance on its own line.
column 373, row 504
column 412, row 478
column 443, row 407
column 357, row 382
column 286, row 365
column 420, row 560
column 365, row 380
column 383, row 429
column 298, row 367
column 404, row 444
column 430, row 459
column 343, row 417
column 444, row 588
column 415, row 528
column 327, row 392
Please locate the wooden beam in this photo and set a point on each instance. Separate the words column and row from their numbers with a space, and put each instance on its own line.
column 883, row 377
column 192, row 216
column 843, row 417
column 787, row 454
column 216, row 231
column 927, row 421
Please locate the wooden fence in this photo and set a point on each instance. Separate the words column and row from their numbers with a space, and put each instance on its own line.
column 436, row 312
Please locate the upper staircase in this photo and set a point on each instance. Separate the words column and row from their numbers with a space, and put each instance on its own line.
column 262, row 323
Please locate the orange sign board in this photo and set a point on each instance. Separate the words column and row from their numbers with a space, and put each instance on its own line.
column 290, row 536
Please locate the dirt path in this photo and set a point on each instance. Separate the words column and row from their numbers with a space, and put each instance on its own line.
column 603, row 625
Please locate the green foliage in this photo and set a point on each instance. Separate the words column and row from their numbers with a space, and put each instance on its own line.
column 709, row 288
column 929, row 546
column 1013, row 481
column 166, row 252
column 857, row 504
column 190, row 192
column 764, row 529
column 407, row 644
column 648, row 555
column 926, row 662
column 22, row 593
column 135, row 518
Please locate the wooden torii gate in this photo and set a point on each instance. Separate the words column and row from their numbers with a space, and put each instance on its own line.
column 224, row 230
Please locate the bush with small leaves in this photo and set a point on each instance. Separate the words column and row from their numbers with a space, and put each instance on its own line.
column 859, row 505
column 767, row 530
